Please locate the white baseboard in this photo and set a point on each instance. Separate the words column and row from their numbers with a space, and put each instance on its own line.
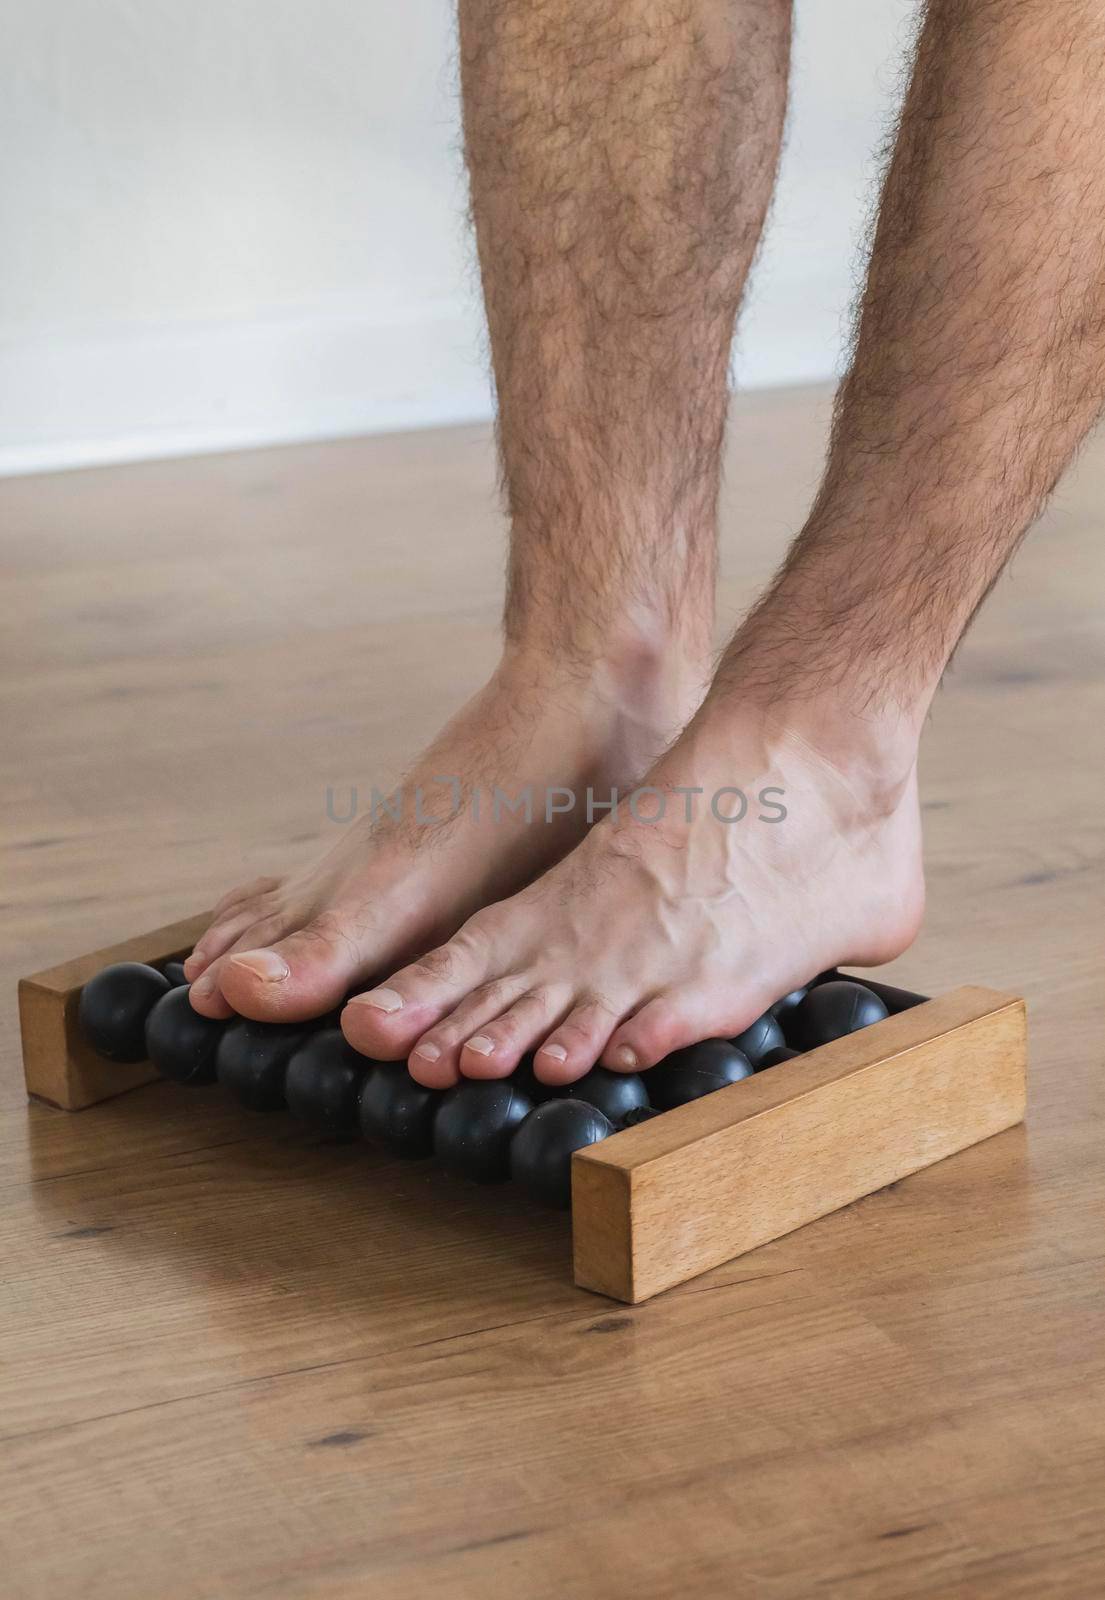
column 132, row 393
column 128, row 394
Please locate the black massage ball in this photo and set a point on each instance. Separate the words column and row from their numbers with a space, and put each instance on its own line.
column 759, row 1037
column 640, row 1114
column 612, row 1093
column 397, row 1112
column 541, row 1150
column 775, row 1058
column 474, row 1126
column 179, row 1042
column 832, row 1010
column 784, row 1008
column 113, row 1008
column 699, row 1069
column 894, row 1000
column 174, row 971
column 252, row 1060
column 323, row 1083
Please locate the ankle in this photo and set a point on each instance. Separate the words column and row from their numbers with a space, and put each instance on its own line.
column 872, row 757
column 656, row 677
column 831, row 702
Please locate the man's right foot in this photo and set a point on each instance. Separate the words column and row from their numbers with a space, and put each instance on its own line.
column 673, row 925
column 290, row 949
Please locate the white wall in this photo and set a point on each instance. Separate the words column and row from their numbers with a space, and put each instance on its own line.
column 226, row 222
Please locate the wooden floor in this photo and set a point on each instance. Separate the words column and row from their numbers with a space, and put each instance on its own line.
column 236, row 1362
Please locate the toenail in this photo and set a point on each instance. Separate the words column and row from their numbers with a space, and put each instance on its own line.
column 556, row 1051
column 194, row 960
column 427, row 1050
column 624, row 1056
column 481, row 1044
column 264, row 964
column 204, row 987
column 379, row 1000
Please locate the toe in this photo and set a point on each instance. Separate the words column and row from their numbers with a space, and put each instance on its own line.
column 207, row 998
column 663, row 1025
column 387, row 1021
column 233, row 914
column 497, row 1048
column 243, row 892
column 577, row 1043
column 219, row 938
column 297, row 977
column 436, row 1060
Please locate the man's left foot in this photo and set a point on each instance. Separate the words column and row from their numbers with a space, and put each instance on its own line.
column 652, row 935
column 538, row 735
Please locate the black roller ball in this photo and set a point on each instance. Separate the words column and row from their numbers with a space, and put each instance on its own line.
column 759, row 1037
column 699, row 1069
column 639, row 1114
column 323, row 1083
column 775, row 1058
column 474, row 1126
column 834, row 1009
column 179, row 1042
column 612, row 1093
column 174, row 971
column 784, row 1008
column 397, row 1112
column 252, row 1060
column 893, row 999
column 541, row 1150
column 113, row 1008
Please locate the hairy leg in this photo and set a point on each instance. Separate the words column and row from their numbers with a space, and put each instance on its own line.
column 979, row 365
column 621, row 161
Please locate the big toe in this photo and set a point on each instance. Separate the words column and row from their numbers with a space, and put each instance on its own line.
column 299, row 977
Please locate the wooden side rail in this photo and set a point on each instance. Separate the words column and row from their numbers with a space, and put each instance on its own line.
column 659, row 1203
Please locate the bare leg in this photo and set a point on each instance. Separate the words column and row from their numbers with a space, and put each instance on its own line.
column 621, row 160
column 979, row 365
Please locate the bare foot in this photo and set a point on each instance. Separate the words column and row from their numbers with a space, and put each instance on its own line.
column 653, row 935
column 287, row 950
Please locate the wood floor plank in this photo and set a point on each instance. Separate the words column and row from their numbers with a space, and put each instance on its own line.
column 237, row 1362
